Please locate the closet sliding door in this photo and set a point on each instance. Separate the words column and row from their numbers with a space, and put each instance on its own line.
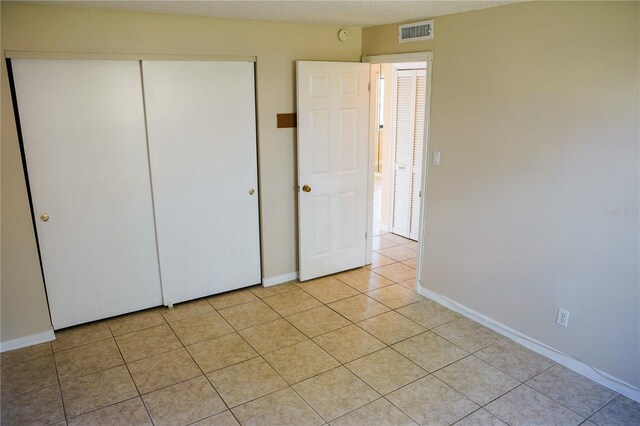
column 202, row 147
column 83, row 132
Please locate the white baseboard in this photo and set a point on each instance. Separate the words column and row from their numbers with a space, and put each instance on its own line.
column 383, row 228
column 271, row 281
column 32, row 339
column 573, row 364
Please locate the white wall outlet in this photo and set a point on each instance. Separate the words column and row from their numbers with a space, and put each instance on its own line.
column 563, row 317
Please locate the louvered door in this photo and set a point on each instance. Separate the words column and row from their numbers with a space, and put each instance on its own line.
column 409, row 113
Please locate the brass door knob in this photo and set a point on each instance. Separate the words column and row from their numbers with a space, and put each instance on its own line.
column 306, row 188
column 44, row 217
column 251, row 191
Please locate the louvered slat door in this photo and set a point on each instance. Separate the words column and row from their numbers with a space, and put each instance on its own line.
column 403, row 152
column 418, row 142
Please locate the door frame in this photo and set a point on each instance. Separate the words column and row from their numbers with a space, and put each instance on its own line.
column 403, row 66
column 425, row 56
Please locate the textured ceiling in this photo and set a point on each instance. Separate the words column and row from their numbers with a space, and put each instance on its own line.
column 349, row 13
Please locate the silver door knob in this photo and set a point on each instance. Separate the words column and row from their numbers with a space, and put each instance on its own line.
column 44, row 217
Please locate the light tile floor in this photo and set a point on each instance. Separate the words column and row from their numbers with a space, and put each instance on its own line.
column 356, row 348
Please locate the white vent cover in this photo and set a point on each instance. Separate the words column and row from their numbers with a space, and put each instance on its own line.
column 415, row 31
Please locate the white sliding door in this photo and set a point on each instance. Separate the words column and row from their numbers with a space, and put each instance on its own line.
column 202, row 147
column 333, row 166
column 409, row 117
column 85, row 145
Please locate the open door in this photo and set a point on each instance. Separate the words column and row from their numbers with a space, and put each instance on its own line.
column 408, row 130
column 333, row 166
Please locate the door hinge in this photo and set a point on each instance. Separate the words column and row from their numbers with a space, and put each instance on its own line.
column 369, row 87
column 365, row 235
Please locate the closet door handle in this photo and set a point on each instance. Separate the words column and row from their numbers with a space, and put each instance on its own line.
column 251, row 191
column 306, row 188
column 44, row 217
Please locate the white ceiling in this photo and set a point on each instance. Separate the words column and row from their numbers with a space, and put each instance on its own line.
column 361, row 13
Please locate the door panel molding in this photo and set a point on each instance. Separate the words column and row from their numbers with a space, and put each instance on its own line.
column 333, row 157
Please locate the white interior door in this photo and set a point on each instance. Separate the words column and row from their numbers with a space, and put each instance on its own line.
column 85, row 145
column 202, row 147
column 333, row 166
column 409, row 112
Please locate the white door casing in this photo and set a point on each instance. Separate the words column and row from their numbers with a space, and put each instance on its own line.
column 418, row 154
column 84, row 141
column 410, row 60
column 333, row 161
column 202, row 147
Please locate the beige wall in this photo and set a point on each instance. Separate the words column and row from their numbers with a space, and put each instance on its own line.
column 23, row 306
column 276, row 46
column 535, row 109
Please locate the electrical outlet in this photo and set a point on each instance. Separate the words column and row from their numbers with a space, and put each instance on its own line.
column 563, row 317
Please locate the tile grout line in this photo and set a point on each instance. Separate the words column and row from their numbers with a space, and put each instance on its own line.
column 184, row 347
column 340, row 364
column 356, row 322
column 600, row 409
column 309, row 403
column 96, row 371
column 154, row 309
column 131, row 376
column 398, row 408
column 359, row 378
column 473, row 412
column 184, row 381
column 102, row 408
column 67, row 418
column 39, row 387
column 308, row 338
column 200, row 368
column 317, row 307
column 55, row 367
column 551, row 399
column 276, row 371
column 523, row 381
column 83, row 344
column 558, row 402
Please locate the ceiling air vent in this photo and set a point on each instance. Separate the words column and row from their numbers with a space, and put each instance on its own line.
column 415, row 31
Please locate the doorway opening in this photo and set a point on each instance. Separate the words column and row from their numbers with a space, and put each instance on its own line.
column 399, row 129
